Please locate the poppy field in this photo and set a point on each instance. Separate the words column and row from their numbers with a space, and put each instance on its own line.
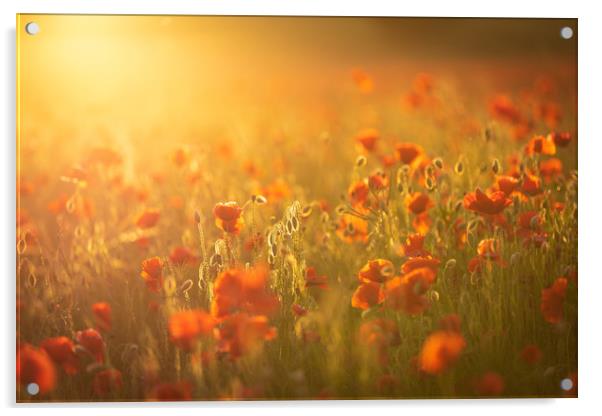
column 366, row 229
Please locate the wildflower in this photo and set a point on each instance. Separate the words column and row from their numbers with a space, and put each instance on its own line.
column 107, row 381
column 378, row 181
column 407, row 153
column 312, row 279
column 531, row 354
column 414, row 263
column 484, row 204
column 490, row 384
column 368, row 139
column 440, row 351
column 367, row 295
column 358, row 193
column 414, row 246
column 185, row 327
column 531, row 185
column 362, row 80
column 418, row 202
column 407, row 292
column 502, row 108
column 148, row 218
column 182, row 256
column 377, row 271
column 61, row 351
column 35, row 366
column 543, row 145
column 550, row 168
column 352, row 229
column 171, row 392
column 152, row 273
column 241, row 334
column 552, row 301
column 228, row 217
column 93, row 343
column 561, row 139
column 243, row 290
column 379, row 335
column 507, row 184
column 102, row 315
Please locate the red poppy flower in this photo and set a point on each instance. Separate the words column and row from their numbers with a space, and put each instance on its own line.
column 312, row 279
column 484, row 204
column 102, row 315
column 241, row 334
column 35, row 366
column 531, row 354
column 562, row 139
column 228, row 217
column 543, row 145
column 552, row 301
column 152, row 273
column 440, row 350
column 414, row 246
column 421, row 262
column 186, row 327
column 407, row 153
column 531, row 185
column 406, row 292
column 182, row 255
column 148, row 218
column 367, row 295
column 61, row 350
column 490, row 384
column 502, row 108
column 418, row 202
column 107, row 382
column 507, row 184
column 550, row 169
column 378, row 271
column 358, row 193
column 171, row 392
column 368, row 139
column 352, row 229
column 92, row 341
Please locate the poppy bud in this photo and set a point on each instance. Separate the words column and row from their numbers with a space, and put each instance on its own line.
column 361, row 161
column 495, row 166
column 197, row 217
column 438, row 163
column 459, row 168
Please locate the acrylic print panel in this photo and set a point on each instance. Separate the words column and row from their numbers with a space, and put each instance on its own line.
column 258, row 208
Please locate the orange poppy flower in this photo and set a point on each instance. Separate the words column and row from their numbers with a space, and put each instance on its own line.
column 552, row 301
column 543, row 145
column 61, row 350
column 418, row 202
column 102, row 315
column 241, row 334
column 276, row 191
column 490, row 384
column 228, row 217
column 377, row 271
column 407, row 153
column 507, row 184
column 171, row 392
column 352, row 229
column 180, row 157
column 550, row 168
column 186, row 327
column 562, row 139
column 368, row 139
column 367, row 295
column 152, row 273
column 312, row 279
column 92, row 341
column 414, row 246
column 502, row 108
column 531, row 185
column 107, row 382
column 362, row 80
column 35, row 366
column 182, row 256
column 488, row 249
column 237, row 290
column 440, row 350
column 484, row 204
column 531, row 354
column 388, row 160
column 358, row 193
column 378, row 181
column 407, row 292
column 148, row 218
column 421, row 262
column 422, row 223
